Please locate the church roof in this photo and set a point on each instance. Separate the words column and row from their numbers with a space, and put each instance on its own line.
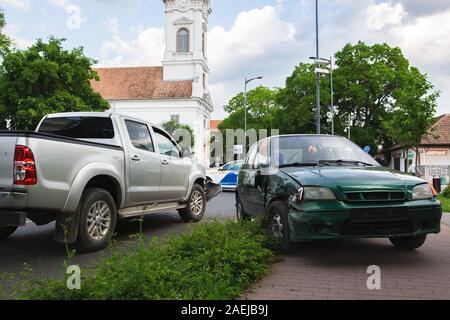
column 138, row 83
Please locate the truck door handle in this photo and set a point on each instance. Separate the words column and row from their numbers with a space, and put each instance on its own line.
column 136, row 158
column 164, row 162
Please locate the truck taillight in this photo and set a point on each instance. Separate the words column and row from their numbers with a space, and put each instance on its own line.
column 24, row 167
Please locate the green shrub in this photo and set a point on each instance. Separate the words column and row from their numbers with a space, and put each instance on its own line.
column 446, row 192
column 213, row 261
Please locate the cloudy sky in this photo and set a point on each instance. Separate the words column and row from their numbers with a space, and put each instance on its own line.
column 246, row 37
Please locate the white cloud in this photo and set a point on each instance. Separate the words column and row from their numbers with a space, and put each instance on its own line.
column 23, row 5
column 14, row 32
column 75, row 18
column 113, row 25
column 146, row 50
column 383, row 14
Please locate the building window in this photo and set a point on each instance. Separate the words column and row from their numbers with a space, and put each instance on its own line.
column 183, row 40
column 204, row 81
column 175, row 118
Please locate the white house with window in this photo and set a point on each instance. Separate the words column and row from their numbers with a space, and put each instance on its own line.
column 178, row 90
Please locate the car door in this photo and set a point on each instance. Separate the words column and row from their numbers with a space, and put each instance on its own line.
column 246, row 179
column 144, row 164
column 257, row 189
column 174, row 176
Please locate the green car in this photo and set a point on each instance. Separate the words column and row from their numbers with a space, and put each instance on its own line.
column 312, row 187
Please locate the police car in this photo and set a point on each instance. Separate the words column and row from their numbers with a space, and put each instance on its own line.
column 226, row 175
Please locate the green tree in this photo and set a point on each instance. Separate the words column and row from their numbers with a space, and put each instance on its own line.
column 45, row 79
column 261, row 109
column 5, row 42
column 298, row 102
column 177, row 129
column 366, row 79
column 414, row 112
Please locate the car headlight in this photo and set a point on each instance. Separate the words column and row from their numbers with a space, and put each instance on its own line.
column 422, row 191
column 318, row 193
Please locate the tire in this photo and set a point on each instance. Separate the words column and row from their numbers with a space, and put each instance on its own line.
column 279, row 225
column 241, row 214
column 98, row 219
column 6, row 231
column 196, row 206
column 410, row 243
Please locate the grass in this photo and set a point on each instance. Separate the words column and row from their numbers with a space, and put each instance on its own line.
column 445, row 202
column 214, row 261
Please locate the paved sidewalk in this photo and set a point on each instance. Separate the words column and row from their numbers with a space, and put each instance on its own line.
column 337, row 270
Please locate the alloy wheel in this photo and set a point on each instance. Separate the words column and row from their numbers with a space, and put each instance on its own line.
column 196, row 203
column 99, row 220
column 277, row 226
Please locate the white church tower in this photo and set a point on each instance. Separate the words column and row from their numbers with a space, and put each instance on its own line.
column 177, row 90
column 185, row 57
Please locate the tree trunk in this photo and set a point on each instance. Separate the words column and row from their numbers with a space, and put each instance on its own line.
column 417, row 161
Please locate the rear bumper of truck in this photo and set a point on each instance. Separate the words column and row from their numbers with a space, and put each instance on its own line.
column 12, row 207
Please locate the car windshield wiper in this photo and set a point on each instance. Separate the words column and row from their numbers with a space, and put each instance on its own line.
column 347, row 161
column 301, row 164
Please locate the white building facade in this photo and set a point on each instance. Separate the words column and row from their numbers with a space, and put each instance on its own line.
column 179, row 89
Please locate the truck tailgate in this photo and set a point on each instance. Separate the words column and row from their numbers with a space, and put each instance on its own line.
column 7, row 147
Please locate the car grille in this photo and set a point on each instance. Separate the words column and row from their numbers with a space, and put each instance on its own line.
column 378, row 214
column 376, row 228
column 361, row 196
column 377, row 221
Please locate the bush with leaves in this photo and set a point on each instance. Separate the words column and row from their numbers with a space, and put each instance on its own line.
column 214, row 261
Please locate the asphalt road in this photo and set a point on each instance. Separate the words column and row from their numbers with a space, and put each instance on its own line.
column 34, row 246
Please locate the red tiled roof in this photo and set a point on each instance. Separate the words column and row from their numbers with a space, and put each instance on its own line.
column 139, row 83
column 440, row 133
column 214, row 124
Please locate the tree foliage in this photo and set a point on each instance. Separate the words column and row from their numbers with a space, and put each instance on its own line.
column 372, row 83
column 5, row 42
column 261, row 110
column 413, row 114
column 45, row 79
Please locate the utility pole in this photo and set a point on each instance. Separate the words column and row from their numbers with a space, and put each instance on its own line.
column 332, row 96
column 317, row 75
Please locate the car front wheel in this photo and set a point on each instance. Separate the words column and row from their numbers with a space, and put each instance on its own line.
column 279, row 225
column 196, row 206
column 241, row 214
column 5, row 232
column 409, row 243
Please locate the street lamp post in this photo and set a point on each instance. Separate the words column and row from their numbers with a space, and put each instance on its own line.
column 317, row 75
column 247, row 81
column 332, row 96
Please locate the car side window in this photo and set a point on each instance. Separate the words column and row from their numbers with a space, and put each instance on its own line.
column 166, row 146
column 140, row 135
column 262, row 157
column 251, row 157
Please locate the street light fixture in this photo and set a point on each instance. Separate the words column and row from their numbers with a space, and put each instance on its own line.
column 247, row 81
column 325, row 67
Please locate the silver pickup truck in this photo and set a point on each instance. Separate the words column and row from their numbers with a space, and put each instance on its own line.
column 87, row 170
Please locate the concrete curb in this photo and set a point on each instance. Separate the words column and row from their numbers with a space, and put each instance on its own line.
column 446, row 219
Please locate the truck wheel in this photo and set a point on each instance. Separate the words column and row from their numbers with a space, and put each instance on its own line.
column 279, row 225
column 6, row 231
column 410, row 243
column 241, row 214
column 196, row 206
column 98, row 218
